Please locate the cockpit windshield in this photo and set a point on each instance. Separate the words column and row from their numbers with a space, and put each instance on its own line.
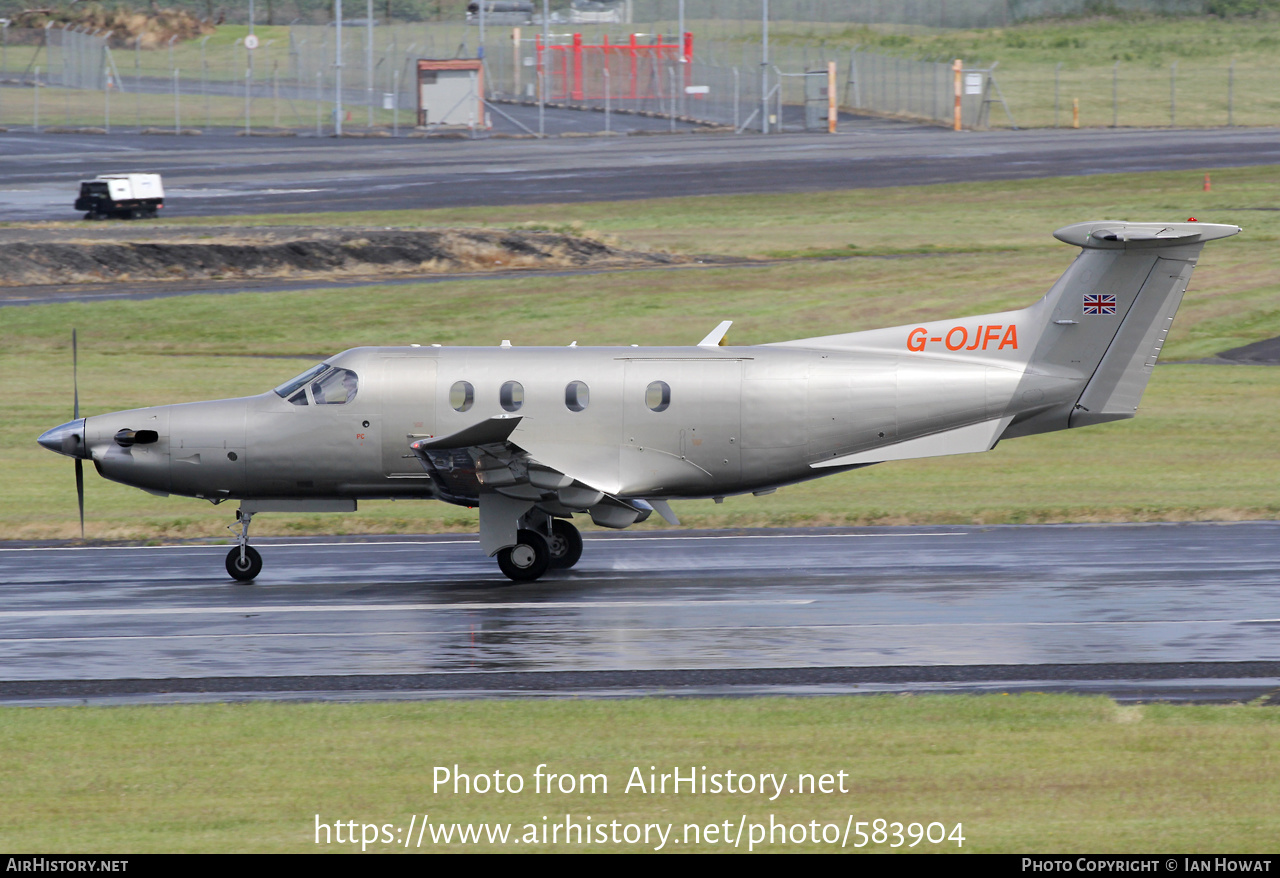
column 321, row 385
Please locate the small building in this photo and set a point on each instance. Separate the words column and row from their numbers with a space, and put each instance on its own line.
column 451, row 92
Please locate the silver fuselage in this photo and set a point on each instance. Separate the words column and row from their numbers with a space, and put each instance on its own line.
column 738, row 420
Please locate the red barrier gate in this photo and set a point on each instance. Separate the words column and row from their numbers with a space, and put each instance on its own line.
column 575, row 72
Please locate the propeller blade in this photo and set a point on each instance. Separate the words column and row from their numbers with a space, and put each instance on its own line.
column 75, row 416
column 75, row 383
column 80, row 492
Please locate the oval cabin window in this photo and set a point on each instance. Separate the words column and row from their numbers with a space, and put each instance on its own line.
column 511, row 396
column 658, row 396
column 577, row 396
column 462, row 396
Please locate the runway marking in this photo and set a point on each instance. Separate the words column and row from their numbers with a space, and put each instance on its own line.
column 691, row 629
column 474, row 540
column 389, row 608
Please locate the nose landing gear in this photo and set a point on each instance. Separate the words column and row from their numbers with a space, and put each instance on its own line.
column 243, row 562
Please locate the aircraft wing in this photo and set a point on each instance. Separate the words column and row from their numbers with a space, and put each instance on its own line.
column 487, row 459
column 494, row 430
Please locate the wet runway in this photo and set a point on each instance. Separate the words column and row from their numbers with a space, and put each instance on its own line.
column 1183, row 611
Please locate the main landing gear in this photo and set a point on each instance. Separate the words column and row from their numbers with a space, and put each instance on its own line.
column 565, row 544
column 550, row 544
column 534, row 554
column 243, row 562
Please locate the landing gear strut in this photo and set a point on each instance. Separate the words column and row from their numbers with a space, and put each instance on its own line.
column 243, row 562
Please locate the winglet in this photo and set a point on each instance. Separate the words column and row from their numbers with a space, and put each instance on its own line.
column 716, row 337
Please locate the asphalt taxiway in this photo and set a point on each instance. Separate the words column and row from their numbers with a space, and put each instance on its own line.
column 1176, row 611
column 218, row 175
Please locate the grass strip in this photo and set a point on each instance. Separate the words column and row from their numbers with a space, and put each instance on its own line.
column 1020, row 773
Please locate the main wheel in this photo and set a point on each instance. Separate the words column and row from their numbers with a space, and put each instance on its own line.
column 527, row 559
column 565, row 544
column 246, row 568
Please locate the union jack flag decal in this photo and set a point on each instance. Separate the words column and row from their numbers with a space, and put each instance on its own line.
column 1099, row 303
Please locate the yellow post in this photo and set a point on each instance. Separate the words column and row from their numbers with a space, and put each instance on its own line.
column 1075, row 112
column 831, row 97
column 957, row 67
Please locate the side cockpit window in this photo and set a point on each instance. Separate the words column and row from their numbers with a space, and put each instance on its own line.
column 335, row 387
column 321, row 385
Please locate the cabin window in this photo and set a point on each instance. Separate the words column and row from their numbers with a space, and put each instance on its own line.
column 511, row 396
column 462, row 396
column 657, row 396
column 577, row 396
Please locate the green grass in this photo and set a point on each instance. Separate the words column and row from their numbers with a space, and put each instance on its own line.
column 1022, row 773
column 943, row 251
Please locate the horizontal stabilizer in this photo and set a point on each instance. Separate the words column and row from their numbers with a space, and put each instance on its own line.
column 488, row 432
column 1119, row 235
column 962, row 440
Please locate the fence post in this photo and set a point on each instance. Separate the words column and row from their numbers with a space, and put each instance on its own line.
column 275, row 93
column 607, row 91
column 36, row 90
column 957, row 70
column 106, row 101
column 395, row 103
column 177, row 111
column 368, row 57
column 1115, row 95
column 1173, row 94
column 137, row 82
column 319, row 94
column 737, row 88
column 204, row 85
column 1057, row 70
column 1231, row 83
column 671, row 74
column 247, row 73
column 831, row 97
column 764, row 67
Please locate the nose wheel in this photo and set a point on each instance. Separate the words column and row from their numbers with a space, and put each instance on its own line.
column 243, row 562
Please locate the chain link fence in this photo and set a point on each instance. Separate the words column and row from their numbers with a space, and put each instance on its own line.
column 68, row 77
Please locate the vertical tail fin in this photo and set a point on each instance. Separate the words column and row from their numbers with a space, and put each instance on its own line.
column 1107, row 317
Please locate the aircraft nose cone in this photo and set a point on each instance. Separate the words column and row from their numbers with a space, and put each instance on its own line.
column 67, row 439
